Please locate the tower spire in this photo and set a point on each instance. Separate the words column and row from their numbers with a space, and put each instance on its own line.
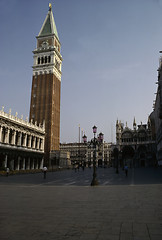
column 49, row 26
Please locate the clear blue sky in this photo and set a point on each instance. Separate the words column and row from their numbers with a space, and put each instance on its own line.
column 110, row 52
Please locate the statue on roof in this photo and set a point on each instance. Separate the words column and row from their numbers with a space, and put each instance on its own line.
column 50, row 6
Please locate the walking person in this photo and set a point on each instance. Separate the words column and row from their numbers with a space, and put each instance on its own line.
column 44, row 172
column 126, row 170
column 7, row 171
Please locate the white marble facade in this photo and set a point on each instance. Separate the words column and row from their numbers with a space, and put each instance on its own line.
column 21, row 143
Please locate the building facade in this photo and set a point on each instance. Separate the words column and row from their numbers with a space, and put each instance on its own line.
column 46, row 84
column 82, row 153
column 156, row 116
column 136, row 147
column 21, row 143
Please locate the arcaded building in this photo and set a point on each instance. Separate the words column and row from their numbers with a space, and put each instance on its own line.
column 21, row 143
column 46, row 84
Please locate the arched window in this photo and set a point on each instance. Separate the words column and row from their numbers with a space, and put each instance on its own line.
column 49, row 59
column 42, row 60
column 39, row 60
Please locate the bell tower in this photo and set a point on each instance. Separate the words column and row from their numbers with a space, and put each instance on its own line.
column 46, row 83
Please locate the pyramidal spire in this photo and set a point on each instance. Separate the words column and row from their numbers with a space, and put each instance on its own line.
column 49, row 26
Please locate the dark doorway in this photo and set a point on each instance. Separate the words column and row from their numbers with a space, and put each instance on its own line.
column 142, row 163
column 100, row 162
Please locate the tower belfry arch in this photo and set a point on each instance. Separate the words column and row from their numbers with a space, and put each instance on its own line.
column 46, row 83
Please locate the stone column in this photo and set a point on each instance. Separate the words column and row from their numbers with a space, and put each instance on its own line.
column 32, row 163
column 41, row 163
column 38, row 143
column 5, row 161
column 42, row 144
column 34, row 142
column 11, row 167
column 29, row 141
column 36, row 163
column 19, row 139
column 24, row 139
column 17, row 167
column 7, row 135
column 0, row 134
column 23, row 165
column 13, row 137
column 28, row 163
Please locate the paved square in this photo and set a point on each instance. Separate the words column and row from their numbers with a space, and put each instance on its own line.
column 119, row 212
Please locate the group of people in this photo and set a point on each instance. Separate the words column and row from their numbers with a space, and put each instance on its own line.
column 44, row 171
column 76, row 167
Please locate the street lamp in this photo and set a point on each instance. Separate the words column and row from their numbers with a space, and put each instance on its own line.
column 95, row 142
column 85, row 141
column 84, row 138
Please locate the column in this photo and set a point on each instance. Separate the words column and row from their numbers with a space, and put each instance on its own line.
column 7, row 135
column 17, row 167
column 0, row 134
column 32, row 163
column 5, row 161
column 34, row 142
column 28, row 163
column 11, row 166
column 13, row 137
column 23, row 164
column 42, row 144
column 38, row 143
column 29, row 141
column 36, row 163
column 24, row 139
column 19, row 139
column 42, row 163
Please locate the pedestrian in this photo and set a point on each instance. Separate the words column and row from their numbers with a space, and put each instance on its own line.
column 44, row 171
column 126, row 170
column 7, row 171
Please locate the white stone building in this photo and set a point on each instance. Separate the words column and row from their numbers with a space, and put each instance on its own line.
column 21, row 143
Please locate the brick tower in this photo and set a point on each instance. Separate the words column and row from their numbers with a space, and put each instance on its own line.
column 46, row 84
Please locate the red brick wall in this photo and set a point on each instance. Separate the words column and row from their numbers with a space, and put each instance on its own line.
column 46, row 103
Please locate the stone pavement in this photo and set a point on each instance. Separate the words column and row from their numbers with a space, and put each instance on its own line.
column 119, row 212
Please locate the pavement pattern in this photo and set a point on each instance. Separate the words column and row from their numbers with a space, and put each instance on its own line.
column 40, row 211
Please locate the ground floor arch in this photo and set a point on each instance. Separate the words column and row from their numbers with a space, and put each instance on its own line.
column 127, row 156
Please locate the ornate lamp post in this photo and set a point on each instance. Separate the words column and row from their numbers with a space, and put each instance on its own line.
column 84, row 138
column 94, row 143
column 85, row 141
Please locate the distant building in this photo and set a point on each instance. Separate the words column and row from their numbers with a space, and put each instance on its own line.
column 82, row 153
column 77, row 152
column 46, row 85
column 136, row 146
column 21, row 143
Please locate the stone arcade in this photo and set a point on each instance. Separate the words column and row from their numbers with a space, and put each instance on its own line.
column 21, row 143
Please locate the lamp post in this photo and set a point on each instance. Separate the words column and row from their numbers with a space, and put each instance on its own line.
column 84, row 138
column 94, row 143
column 85, row 141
